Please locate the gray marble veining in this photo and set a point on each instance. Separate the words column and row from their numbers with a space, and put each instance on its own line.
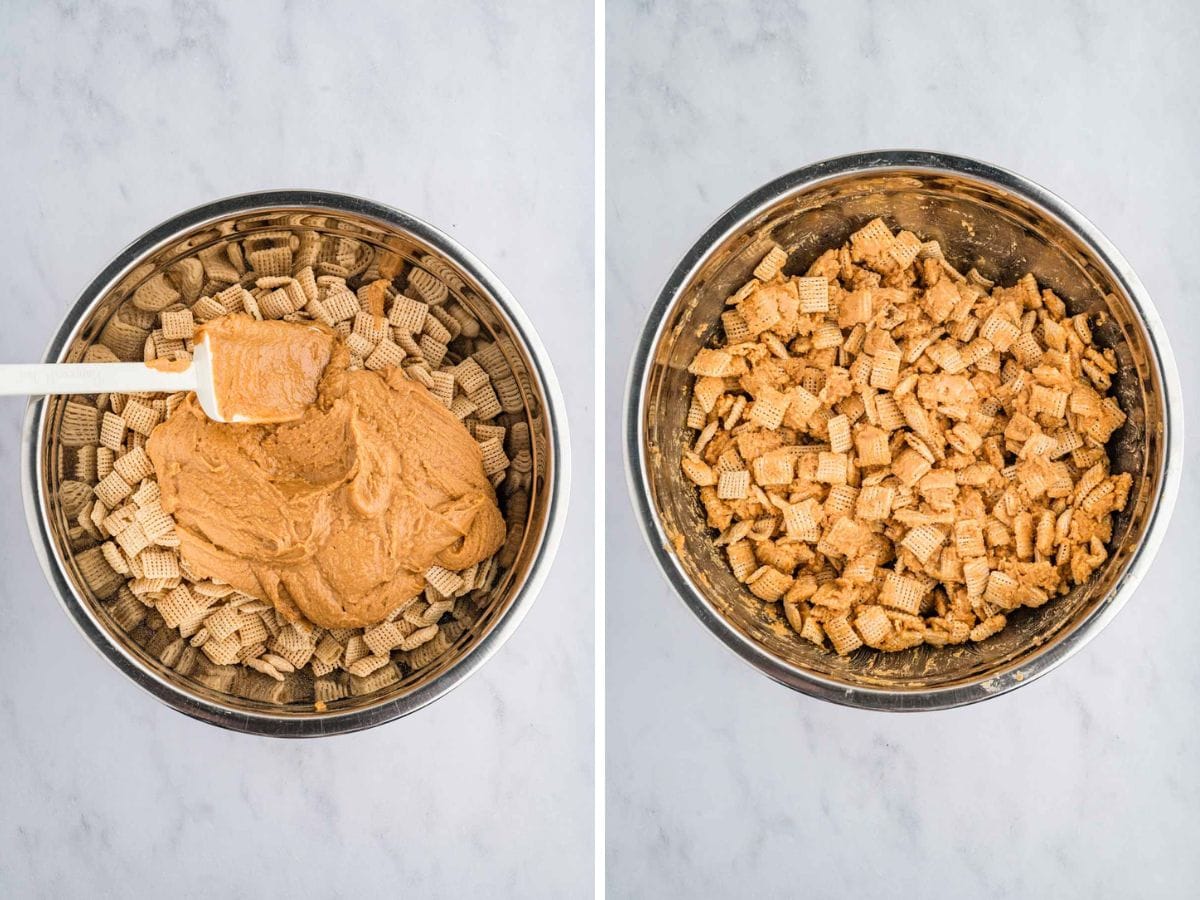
column 721, row 783
column 119, row 115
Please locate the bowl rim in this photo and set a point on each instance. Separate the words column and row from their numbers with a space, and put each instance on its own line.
column 314, row 724
column 1045, row 658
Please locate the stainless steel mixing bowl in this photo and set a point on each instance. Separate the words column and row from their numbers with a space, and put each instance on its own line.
column 1003, row 225
column 376, row 227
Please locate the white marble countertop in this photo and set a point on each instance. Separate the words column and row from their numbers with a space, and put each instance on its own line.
column 117, row 116
column 722, row 783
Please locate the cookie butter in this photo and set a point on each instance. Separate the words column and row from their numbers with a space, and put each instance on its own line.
column 334, row 517
column 265, row 371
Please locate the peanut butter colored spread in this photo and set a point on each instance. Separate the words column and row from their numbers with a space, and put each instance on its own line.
column 334, row 517
column 266, row 371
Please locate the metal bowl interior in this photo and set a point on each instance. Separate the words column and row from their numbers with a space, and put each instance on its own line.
column 984, row 218
column 251, row 705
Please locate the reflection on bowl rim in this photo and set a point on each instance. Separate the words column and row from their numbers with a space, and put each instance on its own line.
column 727, row 226
column 295, row 724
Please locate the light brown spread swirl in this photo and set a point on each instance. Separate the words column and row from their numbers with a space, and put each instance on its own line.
column 266, row 371
column 335, row 517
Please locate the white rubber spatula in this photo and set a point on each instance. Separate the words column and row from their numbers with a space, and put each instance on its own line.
column 121, row 378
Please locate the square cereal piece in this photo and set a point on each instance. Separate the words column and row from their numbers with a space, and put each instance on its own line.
column 924, row 541
column 904, row 249
column 112, row 432
column 872, row 445
column 873, row 625
column 770, row 265
column 112, row 490
column 159, row 563
column 1048, row 401
column 875, row 502
column 800, row 407
column 1001, row 589
column 873, row 239
column 469, row 375
column 841, row 500
column 910, row 467
column 999, row 332
column 839, row 434
column 832, row 468
column 800, row 523
column 776, row 467
column 769, row 408
column 885, row 369
column 888, row 413
column 733, row 485
column 827, row 336
column 386, row 355
column 735, row 327
column 902, row 593
column 741, row 560
column 760, row 311
column 845, row 639
column 140, row 417
column 712, row 363
column 814, row 294
column 769, row 584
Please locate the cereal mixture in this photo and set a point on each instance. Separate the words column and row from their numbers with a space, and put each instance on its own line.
column 900, row 454
column 390, row 314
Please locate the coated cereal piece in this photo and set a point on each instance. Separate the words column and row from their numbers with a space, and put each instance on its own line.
column 841, row 500
column 839, row 434
column 990, row 626
column 999, row 332
column 769, row 584
column 800, row 523
column 774, row 468
column 968, row 538
column 827, row 337
column 801, row 406
column 872, row 446
column 872, row 625
column 904, row 249
column 902, row 593
column 814, row 294
column 742, row 559
column 924, row 541
column 1001, row 589
column 735, row 327
column 769, row 408
column 875, row 502
column 770, row 264
column 832, row 468
column 844, row 638
column 733, row 485
column 885, row 369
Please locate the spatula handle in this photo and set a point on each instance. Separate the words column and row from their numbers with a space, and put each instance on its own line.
column 91, row 378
